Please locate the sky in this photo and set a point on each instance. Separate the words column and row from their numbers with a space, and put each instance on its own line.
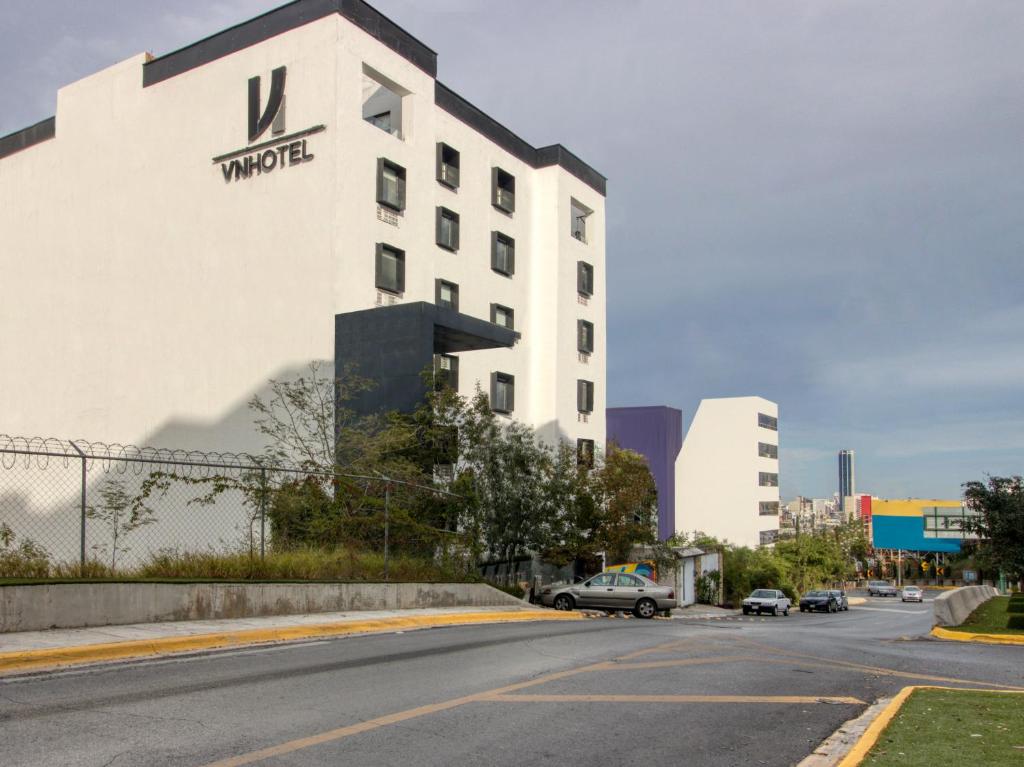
column 818, row 201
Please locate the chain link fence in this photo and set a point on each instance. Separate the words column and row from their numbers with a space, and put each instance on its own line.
column 75, row 508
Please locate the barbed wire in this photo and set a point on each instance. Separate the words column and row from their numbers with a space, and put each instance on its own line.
column 39, row 452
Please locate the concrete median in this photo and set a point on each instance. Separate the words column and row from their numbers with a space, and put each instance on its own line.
column 954, row 607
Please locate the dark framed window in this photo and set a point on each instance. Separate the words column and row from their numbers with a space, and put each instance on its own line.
column 584, row 278
column 585, row 452
column 766, row 450
column 446, row 371
column 447, row 166
column 503, row 253
column 447, row 229
column 446, row 294
column 503, row 392
column 584, row 396
column 768, row 508
column 503, row 190
column 578, row 213
column 767, row 422
column 768, row 537
column 390, row 271
column 585, row 336
column 390, row 184
column 767, row 479
column 504, row 316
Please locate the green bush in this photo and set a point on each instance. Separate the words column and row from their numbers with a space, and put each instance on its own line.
column 513, row 588
column 1015, row 622
column 1015, row 606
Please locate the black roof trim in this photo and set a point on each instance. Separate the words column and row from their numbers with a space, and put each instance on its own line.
column 556, row 154
column 26, row 137
column 283, row 19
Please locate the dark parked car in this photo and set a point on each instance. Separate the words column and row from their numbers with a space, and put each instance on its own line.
column 612, row 591
column 840, row 595
column 819, row 600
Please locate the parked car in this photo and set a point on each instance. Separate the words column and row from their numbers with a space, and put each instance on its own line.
column 912, row 594
column 819, row 600
column 840, row 595
column 768, row 601
column 612, row 591
column 881, row 589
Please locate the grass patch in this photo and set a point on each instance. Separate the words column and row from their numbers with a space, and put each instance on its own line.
column 299, row 565
column 943, row 727
column 989, row 618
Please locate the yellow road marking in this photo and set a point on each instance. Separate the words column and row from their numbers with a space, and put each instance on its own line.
column 11, row 662
column 965, row 636
column 673, row 699
column 793, row 657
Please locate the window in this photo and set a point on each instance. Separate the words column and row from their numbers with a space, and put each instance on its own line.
column 767, row 451
column 585, row 336
column 767, row 479
column 447, row 229
column 584, row 396
column 390, row 268
column 503, row 254
column 768, row 508
column 629, row 581
column 578, row 224
column 767, row 422
column 447, row 166
column 768, row 537
column 446, row 371
column 390, row 184
column 503, row 392
column 584, row 278
column 502, row 315
column 503, row 190
column 446, row 294
column 585, row 452
column 604, row 579
column 382, row 102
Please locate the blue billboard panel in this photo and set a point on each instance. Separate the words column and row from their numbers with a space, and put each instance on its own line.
column 907, row 533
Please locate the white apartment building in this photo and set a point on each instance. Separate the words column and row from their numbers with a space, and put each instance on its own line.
column 190, row 226
column 727, row 473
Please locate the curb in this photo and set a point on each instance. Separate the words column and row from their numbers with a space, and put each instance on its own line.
column 879, row 720
column 38, row 660
column 965, row 636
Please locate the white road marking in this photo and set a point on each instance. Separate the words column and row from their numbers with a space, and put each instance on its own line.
column 891, row 610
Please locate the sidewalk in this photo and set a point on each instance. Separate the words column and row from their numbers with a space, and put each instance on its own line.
column 37, row 650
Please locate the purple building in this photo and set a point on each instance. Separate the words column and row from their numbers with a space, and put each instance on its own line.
column 656, row 433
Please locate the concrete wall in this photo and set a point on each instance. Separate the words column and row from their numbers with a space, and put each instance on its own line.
column 75, row 605
column 953, row 607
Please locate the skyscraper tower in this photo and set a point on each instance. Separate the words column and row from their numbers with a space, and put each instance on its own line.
column 846, row 475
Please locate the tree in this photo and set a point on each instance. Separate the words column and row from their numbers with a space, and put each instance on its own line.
column 629, row 502
column 999, row 506
column 121, row 514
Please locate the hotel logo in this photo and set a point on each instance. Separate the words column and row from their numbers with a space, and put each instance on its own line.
column 282, row 151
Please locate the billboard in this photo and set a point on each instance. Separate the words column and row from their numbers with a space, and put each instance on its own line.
column 904, row 525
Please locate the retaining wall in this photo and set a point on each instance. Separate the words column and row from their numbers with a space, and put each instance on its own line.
column 76, row 605
column 953, row 607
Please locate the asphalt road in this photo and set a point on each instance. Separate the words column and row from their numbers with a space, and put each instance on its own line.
column 740, row 691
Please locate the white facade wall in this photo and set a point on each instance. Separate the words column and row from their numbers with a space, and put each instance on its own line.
column 145, row 300
column 718, row 469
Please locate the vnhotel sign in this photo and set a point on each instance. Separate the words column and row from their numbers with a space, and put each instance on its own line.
column 280, row 152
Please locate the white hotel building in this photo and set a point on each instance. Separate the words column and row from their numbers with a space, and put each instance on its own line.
column 181, row 232
column 727, row 472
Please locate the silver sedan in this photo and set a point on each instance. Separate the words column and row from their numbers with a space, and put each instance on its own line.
column 612, row 591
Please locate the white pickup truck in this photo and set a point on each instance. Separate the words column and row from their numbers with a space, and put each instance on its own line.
column 766, row 601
